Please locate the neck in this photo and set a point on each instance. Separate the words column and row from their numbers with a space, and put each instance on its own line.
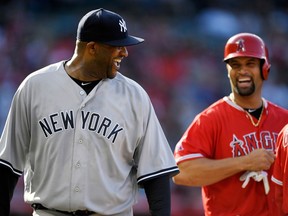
column 77, row 69
column 247, row 102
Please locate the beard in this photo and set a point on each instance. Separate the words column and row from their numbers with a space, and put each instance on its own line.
column 245, row 91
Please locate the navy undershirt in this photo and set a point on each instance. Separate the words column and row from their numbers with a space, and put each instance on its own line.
column 256, row 113
column 86, row 86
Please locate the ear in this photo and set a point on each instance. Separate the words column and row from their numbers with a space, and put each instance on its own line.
column 92, row 47
column 228, row 68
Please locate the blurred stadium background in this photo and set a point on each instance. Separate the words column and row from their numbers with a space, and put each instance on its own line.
column 180, row 64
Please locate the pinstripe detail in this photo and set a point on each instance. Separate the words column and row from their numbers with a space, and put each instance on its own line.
column 188, row 157
column 5, row 163
column 159, row 173
column 276, row 181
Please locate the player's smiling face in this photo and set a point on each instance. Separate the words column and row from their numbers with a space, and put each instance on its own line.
column 245, row 75
column 109, row 59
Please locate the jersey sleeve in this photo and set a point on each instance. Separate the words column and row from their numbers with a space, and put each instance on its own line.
column 197, row 141
column 15, row 137
column 154, row 156
column 281, row 161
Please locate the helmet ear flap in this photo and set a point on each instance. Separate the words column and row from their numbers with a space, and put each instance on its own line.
column 265, row 70
column 266, row 65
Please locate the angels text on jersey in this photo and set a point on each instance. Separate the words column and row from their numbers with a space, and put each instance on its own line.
column 250, row 142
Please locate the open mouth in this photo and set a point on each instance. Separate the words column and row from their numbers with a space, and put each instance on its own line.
column 117, row 63
column 244, row 82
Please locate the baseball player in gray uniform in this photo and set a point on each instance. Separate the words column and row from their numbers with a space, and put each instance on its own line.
column 85, row 136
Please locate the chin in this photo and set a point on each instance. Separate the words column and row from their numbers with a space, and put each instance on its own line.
column 246, row 91
column 111, row 76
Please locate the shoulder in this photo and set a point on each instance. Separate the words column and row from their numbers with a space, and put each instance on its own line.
column 285, row 130
column 283, row 137
column 47, row 70
column 218, row 113
column 219, row 107
column 44, row 74
column 129, row 86
column 127, row 81
column 274, row 107
column 276, row 113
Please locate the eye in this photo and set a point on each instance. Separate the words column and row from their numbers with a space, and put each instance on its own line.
column 251, row 64
column 234, row 65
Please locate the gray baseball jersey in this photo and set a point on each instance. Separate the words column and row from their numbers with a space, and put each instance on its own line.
column 80, row 151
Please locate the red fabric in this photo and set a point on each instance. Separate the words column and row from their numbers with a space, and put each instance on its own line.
column 224, row 130
column 280, row 171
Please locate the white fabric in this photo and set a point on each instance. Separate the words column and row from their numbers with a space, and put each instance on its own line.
column 55, row 213
column 257, row 176
column 80, row 151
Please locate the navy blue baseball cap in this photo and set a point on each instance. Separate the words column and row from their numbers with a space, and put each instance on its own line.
column 106, row 27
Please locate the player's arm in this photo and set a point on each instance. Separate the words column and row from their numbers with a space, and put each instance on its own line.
column 204, row 171
column 8, row 181
column 157, row 191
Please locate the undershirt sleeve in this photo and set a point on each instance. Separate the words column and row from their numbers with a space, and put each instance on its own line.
column 158, row 195
column 8, row 181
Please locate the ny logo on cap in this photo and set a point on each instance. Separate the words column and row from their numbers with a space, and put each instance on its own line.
column 122, row 24
column 240, row 46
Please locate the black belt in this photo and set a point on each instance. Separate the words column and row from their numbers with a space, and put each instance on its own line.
column 75, row 213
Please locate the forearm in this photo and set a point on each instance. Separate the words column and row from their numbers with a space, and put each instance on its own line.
column 158, row 195
column 8, row 182
column 203, row 171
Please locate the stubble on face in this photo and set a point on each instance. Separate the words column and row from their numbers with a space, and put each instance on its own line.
column 247, row 91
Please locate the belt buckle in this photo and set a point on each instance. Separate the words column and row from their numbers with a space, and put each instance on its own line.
column 82, row 213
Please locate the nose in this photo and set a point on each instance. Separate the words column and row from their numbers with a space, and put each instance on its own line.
column 242, row 70
column 124, row 51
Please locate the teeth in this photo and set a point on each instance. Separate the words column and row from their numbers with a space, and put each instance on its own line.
column 244, row 80
column 117, row 61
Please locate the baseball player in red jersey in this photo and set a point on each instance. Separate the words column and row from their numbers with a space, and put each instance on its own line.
column 85, row 136
column 280, row 171
column 229, row 148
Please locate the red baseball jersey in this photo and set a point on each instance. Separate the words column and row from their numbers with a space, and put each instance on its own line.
column 225, row 130
column 281, row 167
